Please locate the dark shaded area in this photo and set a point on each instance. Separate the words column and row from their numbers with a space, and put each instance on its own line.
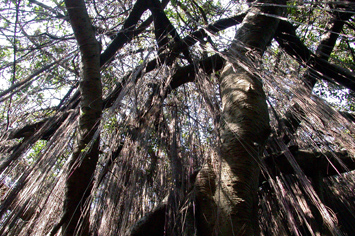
column 152, row 223
column 312, row 163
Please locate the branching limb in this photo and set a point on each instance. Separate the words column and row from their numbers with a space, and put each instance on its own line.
column 129, row 30
column 320, row 68
column 163, row 27
column 327, row 163
column 17, row 86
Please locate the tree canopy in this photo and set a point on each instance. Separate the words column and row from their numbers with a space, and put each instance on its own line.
column 182, row 117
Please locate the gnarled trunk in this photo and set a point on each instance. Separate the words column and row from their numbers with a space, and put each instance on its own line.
column 229, row 207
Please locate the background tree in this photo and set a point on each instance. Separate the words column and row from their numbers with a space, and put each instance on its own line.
column 184, row 124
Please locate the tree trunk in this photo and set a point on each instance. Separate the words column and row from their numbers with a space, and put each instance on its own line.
column 83, row 161
column 230, row 206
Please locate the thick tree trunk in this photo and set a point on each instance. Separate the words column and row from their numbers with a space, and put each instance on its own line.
column 230, row 206
column 85, row 156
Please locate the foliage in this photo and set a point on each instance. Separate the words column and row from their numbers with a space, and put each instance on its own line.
column 162, row 113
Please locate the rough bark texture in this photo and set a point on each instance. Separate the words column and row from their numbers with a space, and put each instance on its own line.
column 85, row 156
column 230, row 207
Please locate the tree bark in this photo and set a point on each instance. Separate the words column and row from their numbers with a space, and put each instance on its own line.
column 230, row 207
column 83, row 161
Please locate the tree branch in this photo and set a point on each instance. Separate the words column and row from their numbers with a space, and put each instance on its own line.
column 320, row 68
column 55, row 12
column 327, row 164
column 326, row 46
column 289, row 41
column 128, row 31
column 17, row 86
column 163, row 27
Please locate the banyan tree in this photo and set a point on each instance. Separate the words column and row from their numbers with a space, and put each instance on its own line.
column 184, row 117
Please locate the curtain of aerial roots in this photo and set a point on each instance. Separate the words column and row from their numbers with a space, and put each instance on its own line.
column 140, row 175
column 296, row 207
column 38, row 188
column 134, row 171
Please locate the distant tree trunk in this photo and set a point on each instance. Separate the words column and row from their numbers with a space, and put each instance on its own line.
column 230, row 207
column 85, row 156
